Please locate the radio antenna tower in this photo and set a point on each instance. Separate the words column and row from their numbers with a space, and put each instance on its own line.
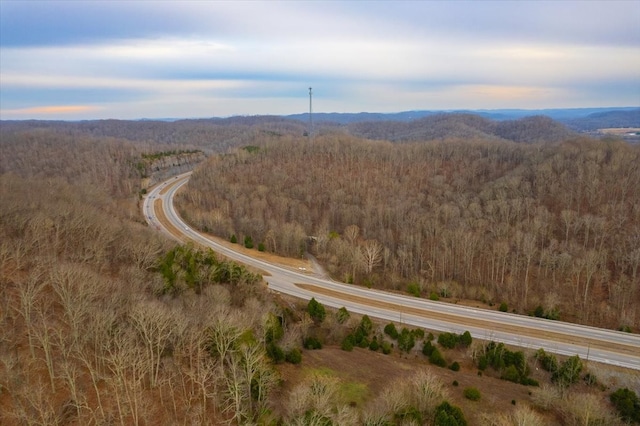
column 310, row 115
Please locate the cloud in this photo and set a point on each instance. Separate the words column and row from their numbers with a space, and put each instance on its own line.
column 361, row 56
column 51, row 110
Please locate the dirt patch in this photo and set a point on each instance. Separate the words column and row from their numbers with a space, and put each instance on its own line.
column 302, row 265
column 377, row 371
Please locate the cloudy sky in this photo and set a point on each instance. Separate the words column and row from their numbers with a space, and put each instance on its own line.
column 153, row 59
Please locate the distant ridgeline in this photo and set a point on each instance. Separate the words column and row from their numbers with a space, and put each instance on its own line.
column 579, row 119
column 215, row 135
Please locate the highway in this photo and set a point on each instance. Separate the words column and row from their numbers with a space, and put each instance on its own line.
column 590, row 343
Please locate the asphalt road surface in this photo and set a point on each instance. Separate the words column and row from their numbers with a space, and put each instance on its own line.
column 590, row 343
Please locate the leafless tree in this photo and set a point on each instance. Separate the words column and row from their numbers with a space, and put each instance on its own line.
column 156, row 326
column 372, row 253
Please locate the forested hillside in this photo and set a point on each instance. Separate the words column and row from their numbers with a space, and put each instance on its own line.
column 104, row 321
column 209, row 135
column 89, row 332
column 218, row 134
column 607, row 119
column 468, row 126
column 550, row 229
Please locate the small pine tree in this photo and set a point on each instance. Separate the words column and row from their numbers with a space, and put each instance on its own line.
column 436, row 358
column 348, row 343
column 465, row 339
column 316, row 310
column 342, row 315
column 627, row 403
column 391, row 331
column 374, row 345
column 568, row 372
column 448, row 340
column 449, row 415
column 406, row 341
column 427, row 348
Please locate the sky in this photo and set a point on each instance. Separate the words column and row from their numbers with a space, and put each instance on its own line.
column 82, row 59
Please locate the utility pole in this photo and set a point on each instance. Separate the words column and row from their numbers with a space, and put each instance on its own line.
column 310, row 115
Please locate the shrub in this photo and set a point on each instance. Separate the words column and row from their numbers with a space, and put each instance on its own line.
column 569, row 372
column 374, row 345
column 366, row 325
column 413, row 289
column 483, row 363
column 409, row 415
column 406, row 341
column 436, row 358
column 455, row 383
column 233, row 239
column 548, row 361
column 294, row 356
column 386, row 348
column 449, row 415
column 434, row 296
column 348, row 343
column 275, row 352
column 472, row 394
column 590, row 379
column 465, row 339
column 274, row 331
column 511, row 374
column 448, row 340
column 538, row 312
column 261, row 247
column 311, row 343
column 391, row 331
column 528, row 381
column 627, row 403
column 427, row 348
column 454, row 366
column 503, row 307
column 418, row 333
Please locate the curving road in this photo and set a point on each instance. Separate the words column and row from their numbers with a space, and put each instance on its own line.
column 593, row 344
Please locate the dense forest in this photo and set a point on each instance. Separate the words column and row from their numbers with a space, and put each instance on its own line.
column 555, row 226
column 106, row 322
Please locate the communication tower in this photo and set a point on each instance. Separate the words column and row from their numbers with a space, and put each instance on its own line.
column 310, row 114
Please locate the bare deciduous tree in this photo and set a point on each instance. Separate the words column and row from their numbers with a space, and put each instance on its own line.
column 372, row 253
column 156, row 326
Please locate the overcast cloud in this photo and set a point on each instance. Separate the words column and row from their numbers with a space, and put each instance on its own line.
column 102, row 59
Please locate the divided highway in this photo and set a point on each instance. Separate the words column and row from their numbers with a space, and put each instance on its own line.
column 593, row 344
